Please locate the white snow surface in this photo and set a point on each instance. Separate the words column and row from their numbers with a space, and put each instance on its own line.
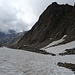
column 59, row 48
column 56, row 42
column 19, row 62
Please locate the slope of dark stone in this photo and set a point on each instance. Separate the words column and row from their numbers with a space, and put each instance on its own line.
column 68, row 52
column 1, row 45
column 67, row 65
column 55, row 22
column 36, row 50
column 15, row 39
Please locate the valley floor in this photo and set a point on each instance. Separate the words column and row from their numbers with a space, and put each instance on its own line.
column 19, row 62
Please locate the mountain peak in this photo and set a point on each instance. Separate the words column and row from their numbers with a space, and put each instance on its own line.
column 55, row 22
column 54, row 3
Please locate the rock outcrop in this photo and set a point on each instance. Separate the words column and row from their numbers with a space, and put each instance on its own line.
column 67, row 65
column 55, row 22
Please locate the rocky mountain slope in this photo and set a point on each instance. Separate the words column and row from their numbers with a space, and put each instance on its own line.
column 54, row 23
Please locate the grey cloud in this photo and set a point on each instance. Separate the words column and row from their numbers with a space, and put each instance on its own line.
column 19, row 25
column 9, row 20
column 9, row 12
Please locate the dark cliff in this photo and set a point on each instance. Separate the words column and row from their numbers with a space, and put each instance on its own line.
column 55, row 22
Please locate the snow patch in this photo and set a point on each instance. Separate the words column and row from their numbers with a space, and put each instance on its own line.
column 60, row 48
column 56, row 42
column 24, row 45
column 50, row 38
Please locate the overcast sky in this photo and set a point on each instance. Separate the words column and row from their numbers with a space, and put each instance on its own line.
column 22, row 14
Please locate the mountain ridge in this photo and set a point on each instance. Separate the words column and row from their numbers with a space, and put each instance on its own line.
column 6, row 37
column 55, row 22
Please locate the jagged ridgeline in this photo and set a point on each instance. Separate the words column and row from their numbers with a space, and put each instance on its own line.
column 55, row 22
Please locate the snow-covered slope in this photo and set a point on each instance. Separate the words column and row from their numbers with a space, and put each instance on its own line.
column 56, row 42
column 19, row 62
column 59, row 48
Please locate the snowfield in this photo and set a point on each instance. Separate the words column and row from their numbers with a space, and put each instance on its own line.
column 59, row 48
column 19, row 62
column 56, row 42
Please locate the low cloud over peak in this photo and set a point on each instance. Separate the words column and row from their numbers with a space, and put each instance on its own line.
column 22, row 14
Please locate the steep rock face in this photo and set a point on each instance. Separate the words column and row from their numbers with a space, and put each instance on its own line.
column 55, row 22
